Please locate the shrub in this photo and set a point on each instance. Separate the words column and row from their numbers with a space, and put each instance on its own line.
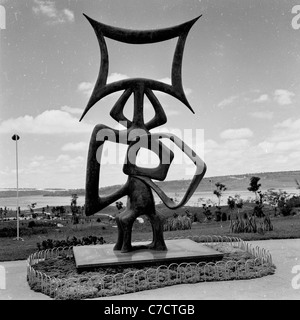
column 31, row 224
column 285, row 209
column 177, row 223
column 206, row 211
column 224, row 216
column 250, row 224
column 258, row 209
column 50, row 243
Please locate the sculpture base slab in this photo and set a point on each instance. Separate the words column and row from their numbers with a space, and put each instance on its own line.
column 179, row 250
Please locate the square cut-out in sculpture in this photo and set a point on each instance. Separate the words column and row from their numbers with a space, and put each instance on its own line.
column 164, row 154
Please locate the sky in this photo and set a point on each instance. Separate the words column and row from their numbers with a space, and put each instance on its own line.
column 240, row 73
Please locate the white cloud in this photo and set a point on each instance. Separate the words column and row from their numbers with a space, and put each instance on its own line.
column 283, row 97
column 116, row 77
column 71, row 110
column 79, row 146
column 86, row 88
column 233, row 134
column 227, row 101
column 289, row 123
column 48, row 9
column 67, row 164
column 48, row 122
column 69, row 14
column 284, row 139
column 262, row 98
column 166, row 80
column 267, row 115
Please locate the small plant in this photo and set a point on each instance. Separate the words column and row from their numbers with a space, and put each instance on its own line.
column 207, row 212
column 218, row 213
column 119, row 205
column 250, row 223
column 177, row 222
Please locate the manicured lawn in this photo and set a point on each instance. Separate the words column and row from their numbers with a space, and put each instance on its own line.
column 10, row 249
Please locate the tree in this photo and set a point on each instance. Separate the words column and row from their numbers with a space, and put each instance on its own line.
column 206, row 211
column 272, row 196
column 239, row 204
column 74, row 208
column 220, row 188
column 231, row 205
column 254, row 186
column 119, row 205
column 31, row 207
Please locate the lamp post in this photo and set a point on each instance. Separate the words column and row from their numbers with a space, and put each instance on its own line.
column 210, row 180
column 15, row 137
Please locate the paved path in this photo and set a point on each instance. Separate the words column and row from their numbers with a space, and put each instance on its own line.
column 285, row 253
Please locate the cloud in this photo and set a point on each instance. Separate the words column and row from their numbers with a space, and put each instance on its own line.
column 48, row 9
column 283, row 97
column 67, row 164
column 87, row 87
column 69, row 14
column 227, row 101
column 48, row 122
column 72, row 110
column 262, row 98
column 79, row 146
column 266, row 115
column 289, row 124
column 114, row 77
column 166, row 80
column 284, row 139
column 232, row 134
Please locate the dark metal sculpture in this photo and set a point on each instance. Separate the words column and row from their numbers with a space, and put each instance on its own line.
column 137, row 135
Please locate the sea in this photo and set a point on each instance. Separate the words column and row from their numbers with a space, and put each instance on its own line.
column 197, row 199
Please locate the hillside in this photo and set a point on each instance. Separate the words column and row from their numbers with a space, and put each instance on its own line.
column 277, row 180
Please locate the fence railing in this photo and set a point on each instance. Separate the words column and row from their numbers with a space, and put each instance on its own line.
column 154, row 277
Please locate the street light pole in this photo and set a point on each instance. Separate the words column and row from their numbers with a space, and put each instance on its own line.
column 15, row 137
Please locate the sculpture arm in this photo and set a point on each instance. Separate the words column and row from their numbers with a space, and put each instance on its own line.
column 94, row 202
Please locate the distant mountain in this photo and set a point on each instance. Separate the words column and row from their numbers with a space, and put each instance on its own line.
column 278, row 180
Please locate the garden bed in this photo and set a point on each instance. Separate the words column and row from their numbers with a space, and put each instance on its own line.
column 54, row 273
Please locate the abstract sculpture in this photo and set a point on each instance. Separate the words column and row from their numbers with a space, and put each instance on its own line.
column 137, row 135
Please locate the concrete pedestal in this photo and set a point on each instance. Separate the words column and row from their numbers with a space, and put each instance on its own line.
column 181, row 250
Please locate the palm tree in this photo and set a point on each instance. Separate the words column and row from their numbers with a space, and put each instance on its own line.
column 254, row 186
column 219, row 191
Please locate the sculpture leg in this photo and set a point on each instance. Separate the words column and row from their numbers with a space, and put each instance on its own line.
column 119, row 244
column 158, row 242
column 126, row 220
column 140, row 202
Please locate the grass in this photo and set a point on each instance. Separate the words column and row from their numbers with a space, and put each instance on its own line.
column 10, row 249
